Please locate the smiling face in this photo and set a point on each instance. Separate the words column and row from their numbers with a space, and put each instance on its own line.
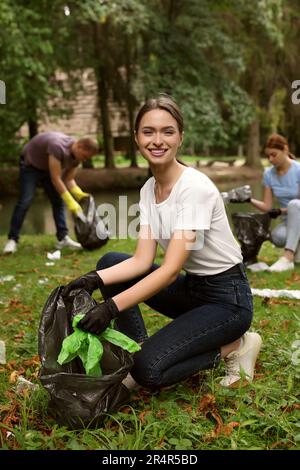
column 158, row 137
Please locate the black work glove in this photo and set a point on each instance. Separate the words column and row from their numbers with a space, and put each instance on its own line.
column 235, row 201
column 99, row 317
column 274, row 213
column 89, row 281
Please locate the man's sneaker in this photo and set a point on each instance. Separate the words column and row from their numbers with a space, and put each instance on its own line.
column 240, row 363
column 67, row 242
column 297, row 254
column 283, row 264
column 10, row 247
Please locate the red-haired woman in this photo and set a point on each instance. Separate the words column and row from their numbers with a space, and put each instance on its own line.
column 282, row 180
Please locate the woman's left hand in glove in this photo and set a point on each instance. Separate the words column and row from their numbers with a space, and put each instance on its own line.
column 99, row 317
column 274, row 213
column 89, row 281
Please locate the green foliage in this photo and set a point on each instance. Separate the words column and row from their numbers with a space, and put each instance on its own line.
column 226, row 63
column 32, row 35
column 191, row 55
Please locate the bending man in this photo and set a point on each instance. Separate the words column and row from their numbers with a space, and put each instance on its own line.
column 50, row 159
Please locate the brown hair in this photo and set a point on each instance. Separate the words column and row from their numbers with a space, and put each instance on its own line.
column 88, row 144
column 277, row 141
column 162, row 101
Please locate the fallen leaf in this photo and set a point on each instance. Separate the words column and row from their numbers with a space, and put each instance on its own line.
column 290, row 408
column 126, row 409
column 143, row 414
column 275, row 444
column 208, row 407
column 19, row 335
column 263, row 323
column 227, row 428
column 207, row 403
column 285, row 324
column 13, row 377
column 295, row 277
column 161, row 413
column 26, row 271
column 284, row 302
column 34, row 361
column 11, row 364
column 188, row 409
column 11, row 322
column 16, row 304
column 161, row 442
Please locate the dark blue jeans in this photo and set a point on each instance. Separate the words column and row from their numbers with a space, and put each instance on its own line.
column 30, row 178
column 208, row 312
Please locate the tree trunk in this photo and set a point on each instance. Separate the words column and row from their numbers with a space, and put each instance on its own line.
column 103, row 96
column 206, row 149
column 240, row 151
column 130, row 106
column 105, row 120
column 253, row 142
column 32, row 127
column 253, row 145
column 32, row 120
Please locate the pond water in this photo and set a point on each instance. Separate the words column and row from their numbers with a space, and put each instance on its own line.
column 122, row 206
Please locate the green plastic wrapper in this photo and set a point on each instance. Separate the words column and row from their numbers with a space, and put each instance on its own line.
column 89, row 346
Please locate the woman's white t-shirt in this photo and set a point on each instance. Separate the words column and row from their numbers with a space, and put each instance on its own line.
column 193, row 204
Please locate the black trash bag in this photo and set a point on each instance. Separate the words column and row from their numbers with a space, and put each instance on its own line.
column 251, row 230
column 78, row 400
column 92, row 233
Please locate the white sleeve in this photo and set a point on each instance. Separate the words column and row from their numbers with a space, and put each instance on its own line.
column 144, row 219
column 195, row 208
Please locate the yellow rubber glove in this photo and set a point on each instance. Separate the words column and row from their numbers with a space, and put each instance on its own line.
column 71, row 204
column 77, row 192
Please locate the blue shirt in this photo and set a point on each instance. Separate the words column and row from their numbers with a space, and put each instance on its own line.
column 284, row 187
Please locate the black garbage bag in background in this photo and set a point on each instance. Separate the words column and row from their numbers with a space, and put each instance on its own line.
column 78, row 400
column 92, row 233
column 251, row 230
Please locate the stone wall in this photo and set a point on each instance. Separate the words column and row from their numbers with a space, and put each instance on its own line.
column 85, row 116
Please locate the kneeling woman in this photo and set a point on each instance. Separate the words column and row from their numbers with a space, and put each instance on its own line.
column 211, row 304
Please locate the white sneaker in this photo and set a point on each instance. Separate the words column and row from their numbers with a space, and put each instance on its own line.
column 297, row 254
column 242, row 361
column 10, row 247
column 258, row 267
column 67, row 242
column 283, row 264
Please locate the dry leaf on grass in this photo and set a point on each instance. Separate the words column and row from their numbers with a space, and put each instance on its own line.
column 143, row 414
column 208, row 408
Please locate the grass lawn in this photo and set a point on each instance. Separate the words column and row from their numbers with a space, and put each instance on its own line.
column 194, row 414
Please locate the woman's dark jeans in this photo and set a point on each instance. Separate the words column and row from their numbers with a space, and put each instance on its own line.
column 30, row 178
column 208, row 312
